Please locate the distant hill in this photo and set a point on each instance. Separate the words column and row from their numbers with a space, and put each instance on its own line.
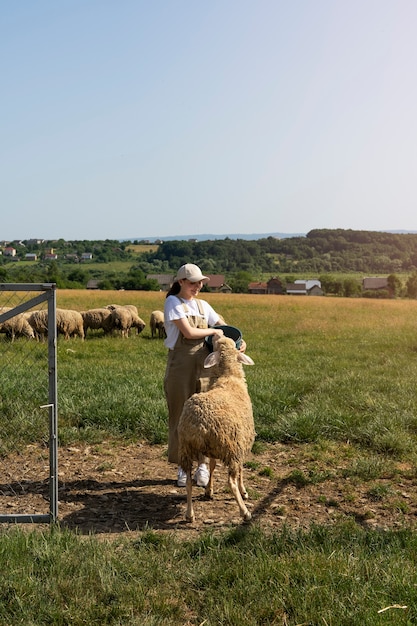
column 208, row 237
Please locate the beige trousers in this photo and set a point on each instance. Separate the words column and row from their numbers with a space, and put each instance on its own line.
column 184, row 375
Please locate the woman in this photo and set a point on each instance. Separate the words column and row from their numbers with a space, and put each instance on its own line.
column 188, row 320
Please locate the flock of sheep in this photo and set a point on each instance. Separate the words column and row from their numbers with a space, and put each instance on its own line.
column 70, row 323
column 217, row 423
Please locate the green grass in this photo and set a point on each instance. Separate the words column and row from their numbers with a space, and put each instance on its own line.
column 325, row 369
column 337, row 376
column 337, row 576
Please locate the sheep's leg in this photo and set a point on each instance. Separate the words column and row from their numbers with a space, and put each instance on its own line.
column 189, row 516
column 233, row 484
column 209, row 489
column 242, row 487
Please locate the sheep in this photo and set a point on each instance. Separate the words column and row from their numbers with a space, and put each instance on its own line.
column 218, row 423
column 97, row 319
column 157, row 324
column 131, row 307
column 39, row 323
column 68, row 323
column 137, row 323
column 17, row 326
column 120, row 321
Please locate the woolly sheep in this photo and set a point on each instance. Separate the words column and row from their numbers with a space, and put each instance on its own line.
column 68, row 323
column 137, row 323
column 218, row 423
column 96, row 319
column 17, row 326
column 39, row 323
column 157, row 324
column 120, row 321
column 131, row 307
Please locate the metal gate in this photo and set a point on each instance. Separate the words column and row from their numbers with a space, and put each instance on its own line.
column 28, row 373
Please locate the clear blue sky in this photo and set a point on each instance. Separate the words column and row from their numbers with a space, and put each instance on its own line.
column 140, row 118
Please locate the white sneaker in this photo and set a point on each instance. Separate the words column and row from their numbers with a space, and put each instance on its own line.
column 181, row 477
column 202, row 475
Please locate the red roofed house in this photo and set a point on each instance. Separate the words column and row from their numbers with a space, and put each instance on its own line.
column 217, row 284
column 258, row 287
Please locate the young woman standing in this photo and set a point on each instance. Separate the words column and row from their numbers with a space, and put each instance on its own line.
column 188, row 320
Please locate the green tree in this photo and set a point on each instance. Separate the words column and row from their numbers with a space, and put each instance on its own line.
column 411, row 285
column 395, row 285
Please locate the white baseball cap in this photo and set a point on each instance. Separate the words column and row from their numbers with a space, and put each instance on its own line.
column 190, row 272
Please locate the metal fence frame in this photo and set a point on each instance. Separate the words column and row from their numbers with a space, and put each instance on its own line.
column 48, row 295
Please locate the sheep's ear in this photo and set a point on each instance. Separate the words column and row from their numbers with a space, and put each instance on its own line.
column 245, row 359
column 212, row 359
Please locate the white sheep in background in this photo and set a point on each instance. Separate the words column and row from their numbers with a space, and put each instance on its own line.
column 120, row 322
column 17, row 326
column 68, row 323
column 138, row 323
column 157, row 324
column 97, row 319
column 218, row 423
column 39, row 323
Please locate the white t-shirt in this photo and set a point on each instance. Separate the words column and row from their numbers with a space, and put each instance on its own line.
column 174, row 310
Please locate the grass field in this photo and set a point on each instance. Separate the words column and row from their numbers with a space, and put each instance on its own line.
column 335, row 372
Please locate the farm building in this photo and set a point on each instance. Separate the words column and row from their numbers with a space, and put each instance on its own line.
column 273, row 286
column 374, row 282
column 217, row 284
column 164, row 280
column 258, row 287
column 304, row 288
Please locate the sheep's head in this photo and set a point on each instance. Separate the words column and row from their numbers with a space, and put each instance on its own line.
column 224, row 345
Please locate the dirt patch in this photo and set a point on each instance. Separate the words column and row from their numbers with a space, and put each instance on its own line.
column 111, row 489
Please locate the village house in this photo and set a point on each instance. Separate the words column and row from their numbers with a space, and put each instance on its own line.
column 304, row 288
column 9, row 251
column 164, row 280
column 375, row 283
column 217, row 284
column 258, row 287
column 86, row 256
column 31, row 256
column 273, row 286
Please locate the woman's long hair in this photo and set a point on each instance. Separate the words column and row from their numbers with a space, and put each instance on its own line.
column 174, row 289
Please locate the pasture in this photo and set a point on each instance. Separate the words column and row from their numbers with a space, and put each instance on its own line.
column 333, row 391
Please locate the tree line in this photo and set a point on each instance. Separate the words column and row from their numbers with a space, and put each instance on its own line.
column 322, row 253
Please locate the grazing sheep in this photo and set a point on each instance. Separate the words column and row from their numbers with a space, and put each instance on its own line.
column 17, row 326
column 138, row 323
column 218, row 423
column 120, row 322
column 157, row 324
column 39, row 323
column 131, row 307
column 68, row 323
column 96, row 319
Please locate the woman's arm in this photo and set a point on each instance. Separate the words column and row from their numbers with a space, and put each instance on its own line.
column 189, row 332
